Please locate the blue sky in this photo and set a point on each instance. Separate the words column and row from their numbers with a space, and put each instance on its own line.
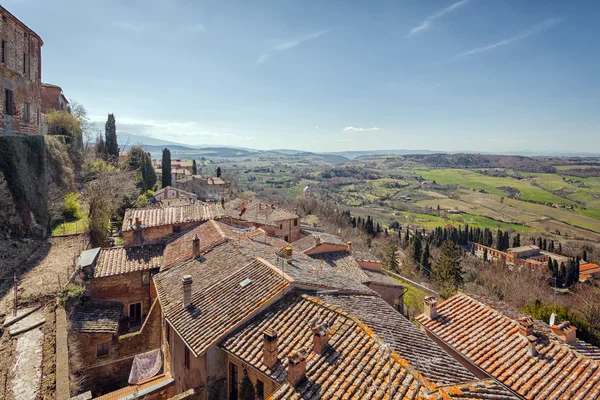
column 474, row 75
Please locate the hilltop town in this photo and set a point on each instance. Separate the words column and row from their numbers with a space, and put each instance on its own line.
column 127, row 273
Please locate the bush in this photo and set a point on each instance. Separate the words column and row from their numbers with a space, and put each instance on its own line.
column 71, row 295
column 62, row 123
column 72, row 209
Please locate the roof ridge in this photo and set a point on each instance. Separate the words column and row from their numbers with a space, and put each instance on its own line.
column 218, row 228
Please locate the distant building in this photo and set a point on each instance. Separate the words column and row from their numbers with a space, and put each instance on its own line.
column 588, row 272
column 529, row 255
column 207, row 189
column 171, row 193
column 53, row 99
column 21, row 77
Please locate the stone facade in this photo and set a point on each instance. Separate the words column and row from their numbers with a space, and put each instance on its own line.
column 155, row 233
column 393, row 295
column 20, row 77
column 253, row 375
column 288, row 230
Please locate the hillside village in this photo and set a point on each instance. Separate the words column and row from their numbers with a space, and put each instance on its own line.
column 128, row 277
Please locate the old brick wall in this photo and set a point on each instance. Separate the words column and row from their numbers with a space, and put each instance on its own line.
column 270, row 386
column 52, row 98
column 156, row 233
column 185, row 378
column 388, row 293
column 125, row 288
column 26, row 86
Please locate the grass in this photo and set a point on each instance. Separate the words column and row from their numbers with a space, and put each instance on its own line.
column 413, row 298
column 71, row 227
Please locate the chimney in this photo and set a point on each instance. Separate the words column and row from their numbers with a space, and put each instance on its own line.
column 317, row 240
column 525, row 326
column 260, row 206
column 288, row 254
column 186, row 282
column 223, row 202
column 531, row 350
column 138, row 222
column 296, row 367
column 320, row 337
column 430, row 307
column 349, row 247
column 270, row 348
column 196, row 247
column 130, row 221
column 565, row 331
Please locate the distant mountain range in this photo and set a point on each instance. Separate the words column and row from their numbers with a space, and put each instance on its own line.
column 154, row 145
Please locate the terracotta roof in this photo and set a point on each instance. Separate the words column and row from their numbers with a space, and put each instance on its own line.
column 381, row 278
column 588, row 267
column 258, row 211
column 219, row 303
column 407, row 340
column 486, row 333
column 156, row 383
column 123, row 260
column 159, row 191
column 351, row 366
column 309, row 242
column 95, row 316
column 521, row 249
column 211, row 233
column 344, row 262
column 158, row 216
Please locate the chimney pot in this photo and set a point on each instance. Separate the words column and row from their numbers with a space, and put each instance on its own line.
column 565, row 331
column 317, row 240
column 270, row 348
column 296, row 367
column 430, row 307
column 531, row 350
column 288, row 253
column 525, row 326
column 196, row 246
column 186, row 282
column 320, row 337
column 349, row 247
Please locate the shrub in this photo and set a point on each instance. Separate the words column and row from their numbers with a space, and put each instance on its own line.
column 71, row 295
column 62, row 123
column 72, row 209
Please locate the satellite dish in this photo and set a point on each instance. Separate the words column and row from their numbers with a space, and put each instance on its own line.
column 552, row 319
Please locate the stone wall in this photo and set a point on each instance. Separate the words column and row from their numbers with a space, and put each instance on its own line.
column 21, row 73
column 254, row 376
column 125, row 288
column 156, row 233
column 391, row 294
column 185, row 378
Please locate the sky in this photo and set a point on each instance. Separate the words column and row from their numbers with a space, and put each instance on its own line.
column 468, row 75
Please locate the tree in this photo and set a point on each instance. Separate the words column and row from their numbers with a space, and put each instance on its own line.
column 517, row 240
column 425, row 264
column 247, row 388
column 166, row 168
column 194, row 168
column 391, row 254
column 100, row 147
column 61, row 122
column 447, row 270
column 110, row 134
column 218, row 172
column 584, row 255
column 417, row 247
column 141, row 161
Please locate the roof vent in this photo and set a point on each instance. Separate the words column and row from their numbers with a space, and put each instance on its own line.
column 317, row 240
column 196, row 247
column 245, row 282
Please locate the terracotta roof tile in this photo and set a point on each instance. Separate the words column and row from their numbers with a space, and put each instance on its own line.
column 122, row 260
column 486, row 332
column 95, row 316
column 159, row 216
column 258, row 211
column 309, row 242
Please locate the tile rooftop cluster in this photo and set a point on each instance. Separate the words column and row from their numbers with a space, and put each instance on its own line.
column 159, row 216
column 487, row 333
column 257, row 211
column 311, row 239
column 124, row 259
column 95, row 316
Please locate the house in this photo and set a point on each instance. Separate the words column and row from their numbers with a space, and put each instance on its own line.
column 53, row 98
column 21, row 71
column 274, row 220
column 119, row 318
column 207, row 188
column 529, row 255
column 528, row 357
column 171, row 193
column 588, row 272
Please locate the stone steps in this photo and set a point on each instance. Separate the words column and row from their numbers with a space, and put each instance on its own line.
column 31, row 321
column 21, row 314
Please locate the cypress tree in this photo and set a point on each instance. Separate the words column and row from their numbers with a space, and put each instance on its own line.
column 406, row 236
column 485, row 254
column 584, row 255
column 448, row 270
column 499, row 240
column 559, row 248
column 218, row 172
column 562, row 274
column 425, row 264
column 166, row 168
column 194, row 168
column 110, row 134
column 392, row 257
column 148, row 173
column 505, row 241
column 101, row 147
column 417, row 247
column 545, row 244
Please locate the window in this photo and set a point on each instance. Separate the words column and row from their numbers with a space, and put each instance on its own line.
column 135, row 314
column 286, row 238
column 146, row 278
column 296, row 222
column 176, row 228
column 233, row 382
column 26, row 112
column 186, row 357
column 280, row 226
column 26, row 63
column 4, row 49
column 260, row 389
column 8, row 102
column 102, row 349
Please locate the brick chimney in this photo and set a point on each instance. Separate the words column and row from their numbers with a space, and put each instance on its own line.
column 565, row 331
column 430, row 305
column 196, row 246
column 288, row 254
column 270, row 348
column 525, row 326
column 186, row 283
column 317, row 240
column 296, row 367
column 320, row 336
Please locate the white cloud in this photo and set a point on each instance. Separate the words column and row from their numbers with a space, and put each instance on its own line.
column 355, row 129
column 290, row 44
column 547, row 24
column 429, row 20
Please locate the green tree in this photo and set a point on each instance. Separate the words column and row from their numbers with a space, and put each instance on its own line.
column 247, row 388
column 584, row 255
column 141, row 161
column 110, row 134
column 485, row 254
column 194, row 168
column 100, row 147
column 166, row 168
column 447, row 269
column 417, row 247
column 61, row 122
column 425, row 264
column 72, row 210
column 218, row 172
column 391, row 254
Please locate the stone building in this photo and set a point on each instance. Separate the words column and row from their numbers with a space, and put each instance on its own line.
column 20, row 77
column 207, row 189
column 528, row 357
column 53, row 98
column 170, row 193
column 526, row 256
